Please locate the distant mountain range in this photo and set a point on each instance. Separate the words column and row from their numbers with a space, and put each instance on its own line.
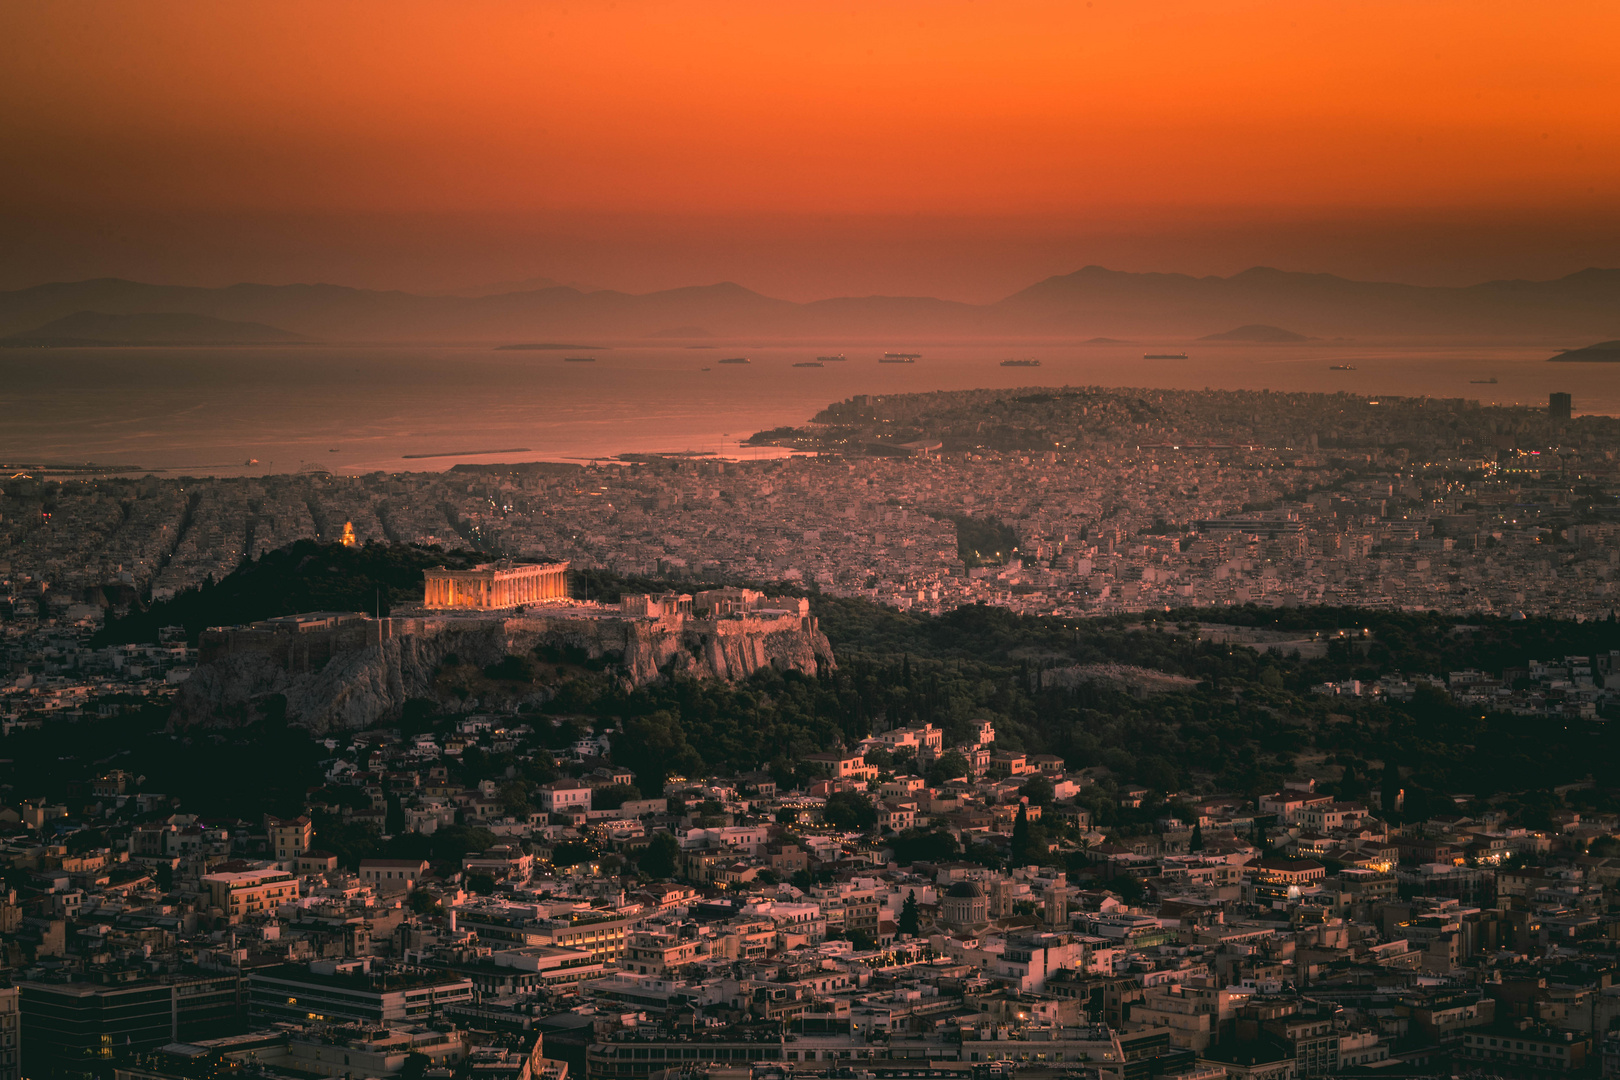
column 1089, row 303
column 95, row 328
column 1604, row 352
column 1257, row 332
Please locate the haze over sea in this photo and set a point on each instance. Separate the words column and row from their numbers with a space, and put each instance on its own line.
column 208, row 411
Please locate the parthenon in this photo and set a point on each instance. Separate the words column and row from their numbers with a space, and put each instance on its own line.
column 490, row 586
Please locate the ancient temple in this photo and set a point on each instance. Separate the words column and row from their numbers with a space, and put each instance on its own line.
column 491, row 586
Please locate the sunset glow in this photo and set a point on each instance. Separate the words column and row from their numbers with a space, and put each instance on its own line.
column 1103, row 118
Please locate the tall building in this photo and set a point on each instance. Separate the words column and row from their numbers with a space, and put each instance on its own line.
column 75, row 1030
column 1559, row 406
column 10, row 1034
column 250, row 892
column 352, row 992
column 289, row 837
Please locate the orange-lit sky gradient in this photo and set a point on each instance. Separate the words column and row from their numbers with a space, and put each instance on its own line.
column 962, row 149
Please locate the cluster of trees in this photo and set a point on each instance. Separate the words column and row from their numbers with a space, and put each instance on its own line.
column 1240, row 729
column 304, row 576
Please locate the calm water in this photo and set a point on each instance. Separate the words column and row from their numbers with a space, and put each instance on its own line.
column 359, row 409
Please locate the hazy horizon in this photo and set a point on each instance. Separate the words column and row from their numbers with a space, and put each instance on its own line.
column 539, row 281
column 952, row 150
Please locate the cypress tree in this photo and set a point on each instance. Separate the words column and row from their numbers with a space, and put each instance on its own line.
column 908, row 914
column 1019, row 854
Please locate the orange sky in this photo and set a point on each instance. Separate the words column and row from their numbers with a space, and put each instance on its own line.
column 806, row 149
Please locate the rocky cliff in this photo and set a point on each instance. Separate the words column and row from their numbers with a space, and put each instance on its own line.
column 361, row 673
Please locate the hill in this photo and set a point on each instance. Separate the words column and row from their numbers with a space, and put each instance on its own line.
column 304, row 576
column 1604, row 352
column 1257, row 332
column 1091, row 303
column 96, row 328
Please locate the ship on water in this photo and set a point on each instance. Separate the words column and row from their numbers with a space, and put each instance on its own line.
column 1341, row 367
column 831, row 359
column 579, row 359
column 736, row 360
column 1164, row 356
column 1484, row 382
column 809, row 363
column 1020, row 363
column 899, row 358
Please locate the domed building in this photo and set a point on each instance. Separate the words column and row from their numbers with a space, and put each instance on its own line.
column 965, row 906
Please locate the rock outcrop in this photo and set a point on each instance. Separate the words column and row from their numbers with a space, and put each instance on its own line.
column 346, row 672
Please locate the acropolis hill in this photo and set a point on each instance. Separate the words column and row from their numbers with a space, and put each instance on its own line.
column 346, row 670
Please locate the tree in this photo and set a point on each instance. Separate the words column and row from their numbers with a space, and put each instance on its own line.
column 481, row 883
column 570, row 853
column 1037, row 789
column 908, row 915
column 394, row 816
column 1197, row 841
column 1020, row 837
column 1028, row 840
column 948, row 766
column 658, row 860
column 923, row 845
column 613, row 796
column 515, row 799
column 849, row 810
column 425, row 903
column 415, row 1066
column 164, row 876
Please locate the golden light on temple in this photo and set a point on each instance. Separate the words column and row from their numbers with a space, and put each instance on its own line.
column 489, row 586
column 347, row 539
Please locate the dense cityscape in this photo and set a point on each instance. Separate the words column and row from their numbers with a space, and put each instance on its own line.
column 799, row 541
column 1163, row 735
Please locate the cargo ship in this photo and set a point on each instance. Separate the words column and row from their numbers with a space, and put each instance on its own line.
column 1483, row 382
column 831, row 359
column 899, row 358
column 1020, row 363
column 809, row 363
column 1164, row 356
column 736, row 360
column 1341, row 367
column 579, row 359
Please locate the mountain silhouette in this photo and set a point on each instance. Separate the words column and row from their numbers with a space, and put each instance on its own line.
column 1604, row 352
column 1256, row 332
column 96, row 328
column 1090, row 303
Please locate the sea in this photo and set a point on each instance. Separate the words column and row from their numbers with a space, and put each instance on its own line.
column 360, row 409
